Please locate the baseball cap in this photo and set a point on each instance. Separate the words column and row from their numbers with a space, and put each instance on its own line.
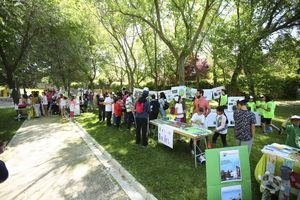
column 250, row 97
column 261, row 96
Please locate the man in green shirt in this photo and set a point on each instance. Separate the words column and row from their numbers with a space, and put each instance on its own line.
column 269, row 114
column 223, row 99
column 251, row 104
column 292, row 131
column 260, row 104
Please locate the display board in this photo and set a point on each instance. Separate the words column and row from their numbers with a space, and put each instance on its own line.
column 211, row 118
column 232, row 102
column 216, row 92
column 228, row 173
column 168, row 94
column 179, row 91
column 165, row 135
column 190, row 93
column 137, row 93
column 207, row 93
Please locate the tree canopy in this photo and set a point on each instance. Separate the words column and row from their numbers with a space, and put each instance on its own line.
column 248, row 46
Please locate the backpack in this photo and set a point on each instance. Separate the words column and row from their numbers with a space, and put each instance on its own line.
column 166, row 105
column 172, row 110
column 139, row 107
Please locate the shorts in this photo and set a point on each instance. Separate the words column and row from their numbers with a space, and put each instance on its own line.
column 266, row 120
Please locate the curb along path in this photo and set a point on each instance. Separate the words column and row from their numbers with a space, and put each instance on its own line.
column 48, row 159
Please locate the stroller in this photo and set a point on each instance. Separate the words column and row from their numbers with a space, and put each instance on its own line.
column 21, row 110
column 54, row 107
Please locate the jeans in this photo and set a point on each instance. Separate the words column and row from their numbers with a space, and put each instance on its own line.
column 162, row 112
column 101, row 114
column 130, row 119
column 108, row 118
column 247, row 143
column 117, row 121
column 223, row 138
column 141, row 129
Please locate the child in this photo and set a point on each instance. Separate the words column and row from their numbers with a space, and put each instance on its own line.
column 221, row 126
column 292, row 131
column 62, row 105
column 118, row 111
column 72, row 108
column 179, row 109
column 198, row 118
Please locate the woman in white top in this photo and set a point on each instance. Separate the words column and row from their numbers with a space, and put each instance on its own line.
column 45, row 103
column 63, row 105
column 179, row 109
column 162, row 101
column 221, row 126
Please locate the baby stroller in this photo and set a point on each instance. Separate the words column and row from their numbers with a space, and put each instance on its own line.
column 54, row 107
column 21, row 111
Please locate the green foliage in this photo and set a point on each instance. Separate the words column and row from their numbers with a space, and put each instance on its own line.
column 8, row 124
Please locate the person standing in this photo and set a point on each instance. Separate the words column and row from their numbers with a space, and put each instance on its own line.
column 163, row 104
column 221, row 127
column 129, row 109
column 108, row 102
column 223, row 100
column 125, row 96
column 118, row 111
column 72, row 104
column 292, row 131
column 154, row 108
column 179, row 112
column 269, row 114
column 260, row 104
column 45, row 103
column 36, row 104
column 91, row 101
column 142, row 109
column 101, row 107
column 63, row 105
column 244, row 129
column 200, row 101
column 251, row 104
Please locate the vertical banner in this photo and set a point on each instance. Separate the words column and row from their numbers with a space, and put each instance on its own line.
column 165, row 135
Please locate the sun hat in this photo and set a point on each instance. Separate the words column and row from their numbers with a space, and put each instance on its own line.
column 295, row 117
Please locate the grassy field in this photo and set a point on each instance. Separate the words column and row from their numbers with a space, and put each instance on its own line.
column 170, row 173
column 8, row 125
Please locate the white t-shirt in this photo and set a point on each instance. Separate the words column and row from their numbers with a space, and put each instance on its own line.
column 62, row 103
column 108, row 107
column 221, row 126
column 179, row 108
column 198, row 121
column 44, row 100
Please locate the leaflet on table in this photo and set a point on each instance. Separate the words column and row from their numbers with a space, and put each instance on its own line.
column 232, row 192
column 282, row 151
column 230, row 167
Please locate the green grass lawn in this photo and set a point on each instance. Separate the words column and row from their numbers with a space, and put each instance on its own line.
column 170, row 173
column 8, row 125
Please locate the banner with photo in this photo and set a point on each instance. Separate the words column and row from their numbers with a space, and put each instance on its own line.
column 216, row 92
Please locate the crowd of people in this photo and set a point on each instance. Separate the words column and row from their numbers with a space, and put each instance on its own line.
column 122, row 109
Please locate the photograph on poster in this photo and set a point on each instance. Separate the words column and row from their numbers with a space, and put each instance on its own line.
column 216, row 92
column 230, row 167
column 137, row 93
column 207, row 93
column 232, row 192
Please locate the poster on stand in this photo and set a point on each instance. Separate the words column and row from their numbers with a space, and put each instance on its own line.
column 216, row 92
column 232, row 102
column 137, row 93
column 168, row 94
column 179, row 91
column 232, row 192
column 207, row 93
column 190, row 93
column 230, row 167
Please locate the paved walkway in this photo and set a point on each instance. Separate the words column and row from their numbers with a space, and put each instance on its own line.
column 48, row 159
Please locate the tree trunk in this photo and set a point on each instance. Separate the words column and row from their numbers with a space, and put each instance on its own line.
column 180, row 65
column 10, row 79
column 235, row 75
column 215, row 78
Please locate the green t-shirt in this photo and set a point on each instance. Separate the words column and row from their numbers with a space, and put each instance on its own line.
column 259, row 107
column 293, row 136
column 270, row 106
column 223, row 100
column 251, row 105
